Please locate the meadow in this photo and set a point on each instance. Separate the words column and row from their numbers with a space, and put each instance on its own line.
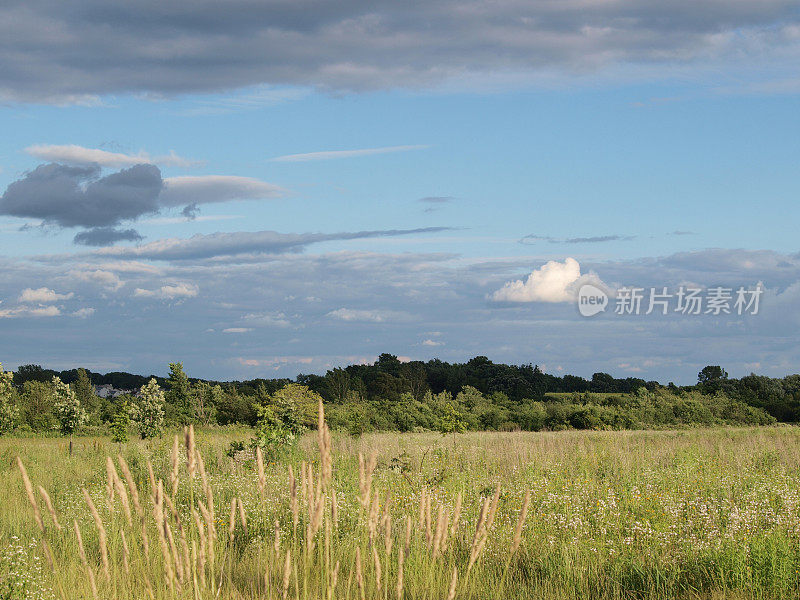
column 696, row 513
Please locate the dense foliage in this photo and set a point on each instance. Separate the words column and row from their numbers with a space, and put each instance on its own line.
column 391, row 395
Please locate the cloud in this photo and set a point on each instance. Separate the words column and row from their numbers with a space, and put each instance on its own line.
column 432, row 343
column 104, row 278
column 105, row 236
column 26, row 311
column 237, row 330
column 77, row 196
column 552, row 282
column 189, row 190
column 80, row 155
column 597, row 239
column 72, row 196
column 436, row 199
column 262, row 242
column 83, row 313
column 276, row 319
column 42, row 295
column 114, row 47
column 169, row 292
column 369, row 316
column 335, row 154
column 434, row 292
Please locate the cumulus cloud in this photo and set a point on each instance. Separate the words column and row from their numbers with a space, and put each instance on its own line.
column 114, row 46
column 84, row 313
column 241, row 242
column 42, row 295
column 552, row 282
column 80, row 155
column 334, row 154
column 176, row 291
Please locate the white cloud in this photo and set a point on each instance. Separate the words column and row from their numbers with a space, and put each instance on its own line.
column 202, row 189
column 334, row 154
column 371, row 316
column 432, row 343
column 106, row 279
column 552, row 282
column 237, row 330
column 276, row 319
column 83, row 313
column 25, row 311
column 74, row 154
column 42, row 295
column 169, row 292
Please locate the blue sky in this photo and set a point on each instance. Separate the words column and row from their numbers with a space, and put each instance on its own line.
column 371, row 189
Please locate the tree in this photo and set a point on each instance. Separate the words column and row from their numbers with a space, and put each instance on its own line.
column 120, row 424
column 148, row 413
column 451, row 420
column 84, row 390
column 178, row 397
column 338, row 383
column 711, row 374
column 296, row 406
column 9, row 413
column 67, row 407
column 36, row 405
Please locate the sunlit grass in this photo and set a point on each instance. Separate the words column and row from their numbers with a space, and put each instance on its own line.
column 697, row 513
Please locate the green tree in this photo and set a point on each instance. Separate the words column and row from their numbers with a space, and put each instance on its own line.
column 120, row 424
column 338, row 383
column 9, row 412
column 451, row 420
column 67, row 408
column 296, row 406
column 180, row 408
column 711, row 374
column 84, row 391
column 148, row 412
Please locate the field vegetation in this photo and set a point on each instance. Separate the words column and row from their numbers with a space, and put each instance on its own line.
column 700, row 513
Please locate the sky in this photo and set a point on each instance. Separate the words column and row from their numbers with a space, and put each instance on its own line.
column 269, row 188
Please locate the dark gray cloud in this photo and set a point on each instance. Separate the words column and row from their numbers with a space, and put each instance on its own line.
column 597, row 239
column 76, row 196
column 202, row 246
column 57, row 51
column 105, row 236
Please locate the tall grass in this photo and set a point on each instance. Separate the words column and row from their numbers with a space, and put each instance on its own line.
column 695, row 514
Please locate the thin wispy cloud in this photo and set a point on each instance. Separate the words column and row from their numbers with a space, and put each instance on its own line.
column 596, row 239
column 338, row 154
column 81, row 155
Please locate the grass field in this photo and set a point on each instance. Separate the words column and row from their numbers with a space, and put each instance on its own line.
column 704, row 513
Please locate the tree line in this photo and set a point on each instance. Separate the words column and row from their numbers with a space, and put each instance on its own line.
column 401, row 396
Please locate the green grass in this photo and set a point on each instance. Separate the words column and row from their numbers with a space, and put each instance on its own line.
column 701, row 513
